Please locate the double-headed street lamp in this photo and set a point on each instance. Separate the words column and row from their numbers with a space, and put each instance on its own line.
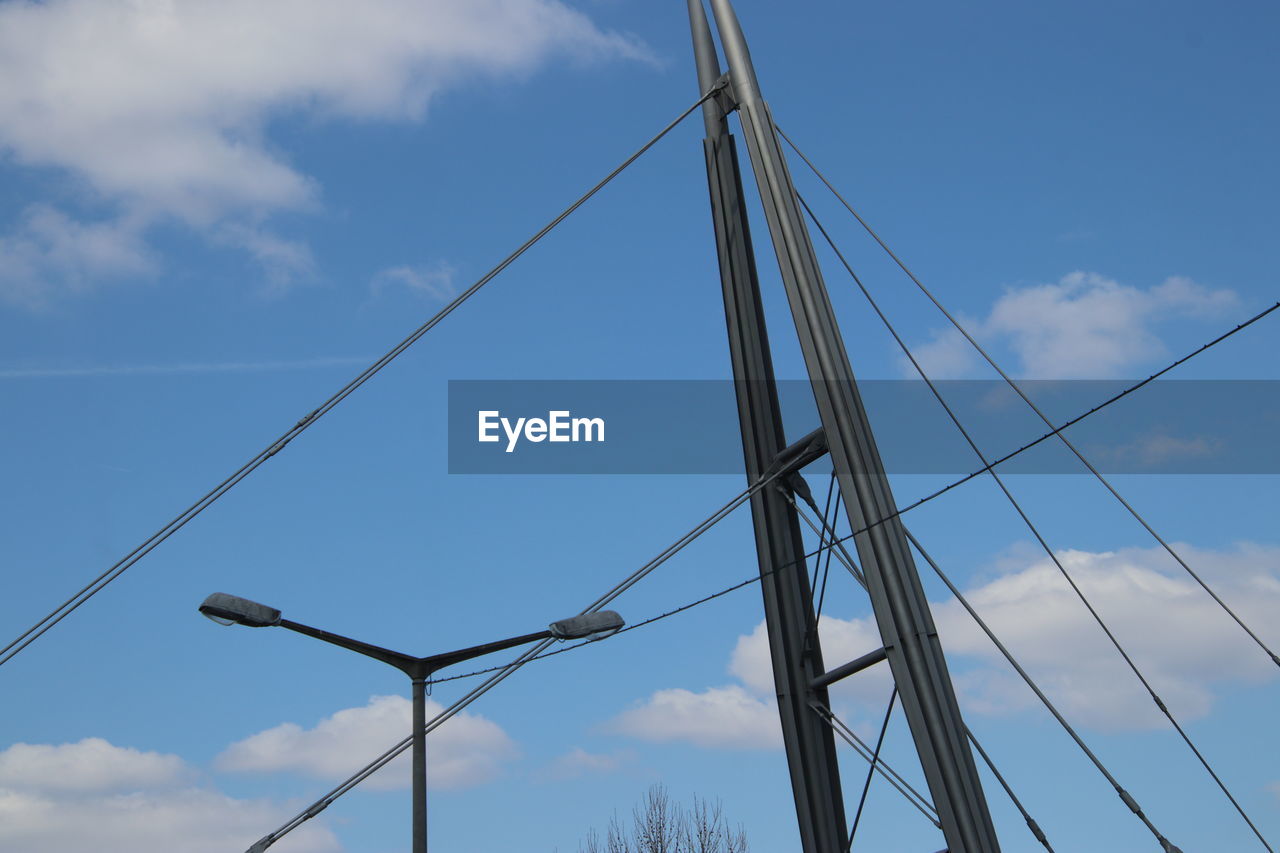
column 231, row 610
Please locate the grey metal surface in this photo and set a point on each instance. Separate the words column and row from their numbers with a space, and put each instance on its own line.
column 419, row 766
column 901, row 609
column 788, row 603
column 601, row 624
column 234, row 610
column 854, row 666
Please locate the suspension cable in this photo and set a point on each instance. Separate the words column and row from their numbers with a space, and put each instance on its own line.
column 849, row 736
column 127, row 561
column 1031, row 822
column 1036, row 409
column 1115, row 398
column 817, row 566
column 836, row 546
column 1124, row 795
column 847, row 560
column 506, row 670
column 826, row 569
column 833, row 545
column 875, row 756
column 1044, row 545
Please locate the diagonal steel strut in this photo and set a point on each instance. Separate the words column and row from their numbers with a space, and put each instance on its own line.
column 788, row 600
column 897, row 597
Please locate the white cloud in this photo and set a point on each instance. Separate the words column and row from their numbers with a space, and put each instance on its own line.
column 842, row 641
column 578, row 762
column 745, row 716
column 161, row 108
column 1185, row 644
column 466, row 750
column 48, row 246
column 92, row 764
column 948, row 355
column 434, row 281
column 1160, row 448
column 283, row 261
column 722, row 717
column 95, row 796
column 1178, row 636
column 1083, row 326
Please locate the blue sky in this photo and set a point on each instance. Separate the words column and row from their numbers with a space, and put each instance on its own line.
column 214, row 214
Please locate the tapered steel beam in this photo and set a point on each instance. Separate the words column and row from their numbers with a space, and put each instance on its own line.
column 788, row 600
column 897, row 597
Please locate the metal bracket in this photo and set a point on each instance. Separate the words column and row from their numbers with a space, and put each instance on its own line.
column 787, row 464
column 791, row 459
column 724, row 94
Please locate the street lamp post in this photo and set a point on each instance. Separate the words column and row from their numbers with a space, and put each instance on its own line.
column 232, row 610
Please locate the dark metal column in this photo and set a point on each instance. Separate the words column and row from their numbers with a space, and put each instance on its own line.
column 788, row 602
column 901, row 609
column 419, row 765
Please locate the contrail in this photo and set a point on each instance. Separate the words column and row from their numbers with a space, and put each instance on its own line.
column 173, row 369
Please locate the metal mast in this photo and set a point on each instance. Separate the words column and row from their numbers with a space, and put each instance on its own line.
column 897, row 597
column 788, row 600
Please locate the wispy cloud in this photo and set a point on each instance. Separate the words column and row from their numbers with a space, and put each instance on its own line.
column 50, row 254
column 185, row 368
column 468, row 750
column 578, row 762
column 1084, row 326
column 161, row 111
column 432, row 280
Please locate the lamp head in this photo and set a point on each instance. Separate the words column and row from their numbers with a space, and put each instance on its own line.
column 595, row 626
column 233, row 610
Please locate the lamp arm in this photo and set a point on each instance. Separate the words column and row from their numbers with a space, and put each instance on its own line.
column 404, row 663
column 434, row 662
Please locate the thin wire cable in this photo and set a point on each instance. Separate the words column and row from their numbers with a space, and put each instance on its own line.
column 1031, row 822
column 826, row 569
column 842, row 553
column 1008, row 456
column 1035, row 829
column 1065, row 425
column 1026, row 399
column 756, row 578
column 386, row 757
column 847, row 734
column 530, row 654
column 812, row 614
column 890, row 775
column 1124, row 795
column 97, row 584
column 826, row 511
column 1044, row 545
column 875, row 756
column 631, row 627
column 850, row 736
